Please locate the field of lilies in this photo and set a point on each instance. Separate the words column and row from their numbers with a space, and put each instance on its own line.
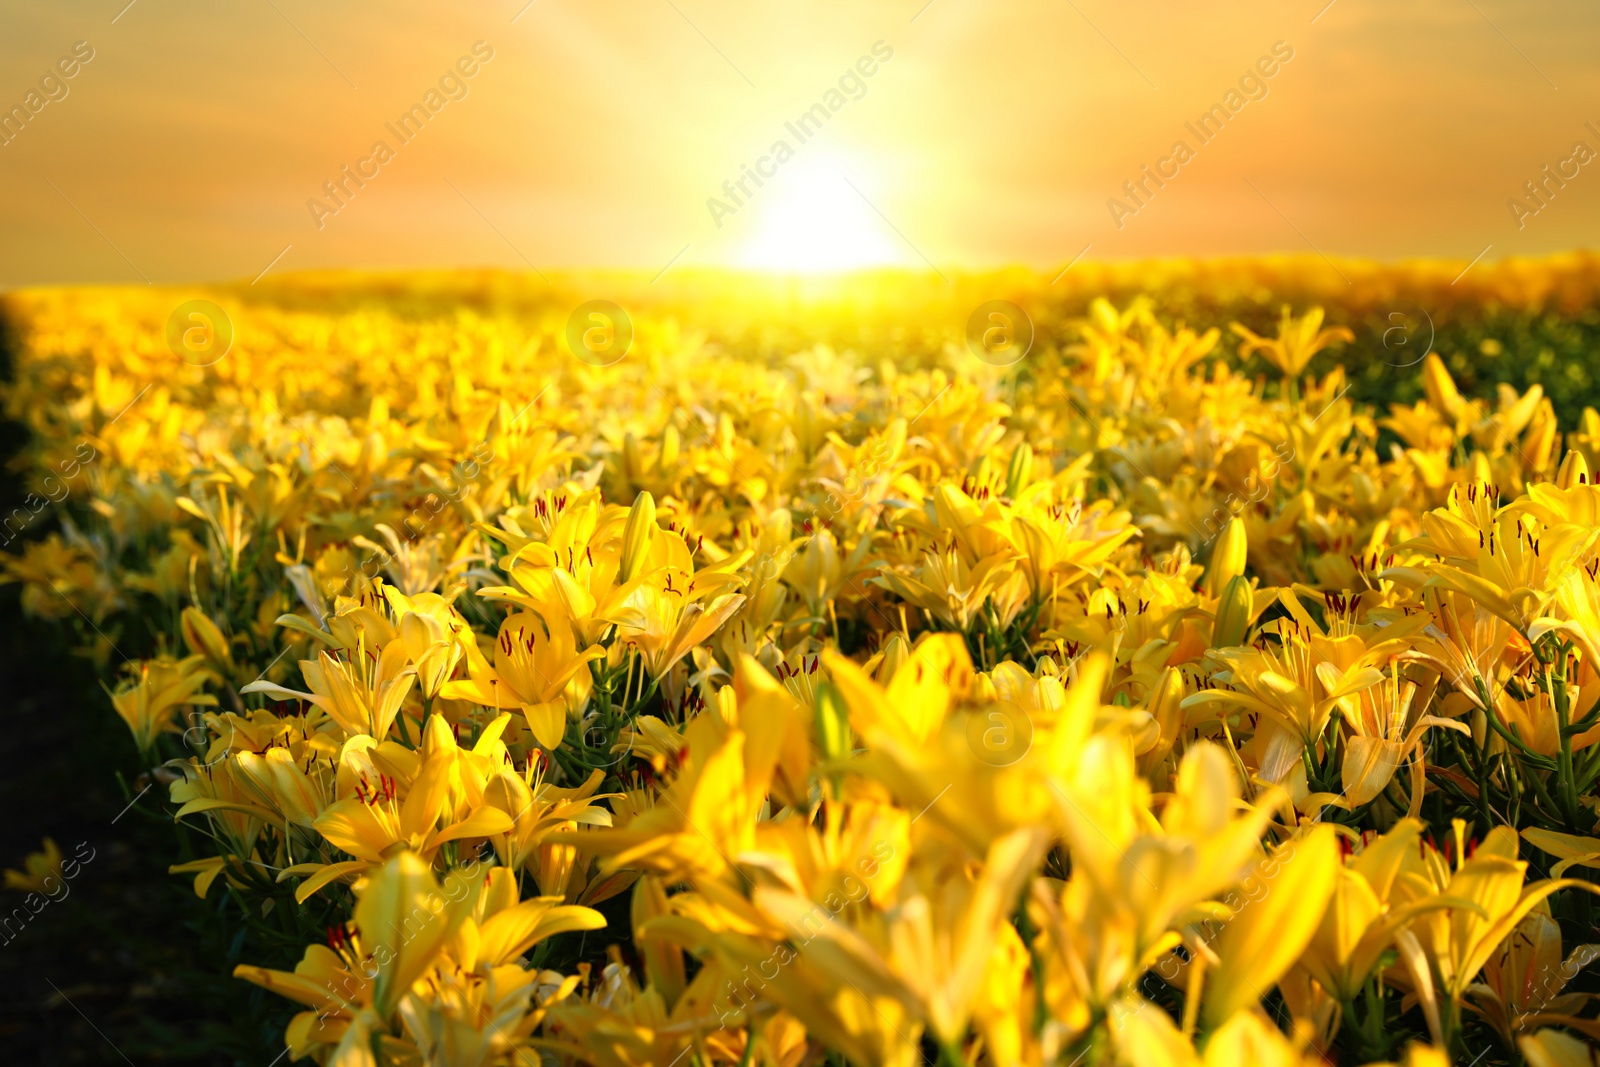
column 1215, row 680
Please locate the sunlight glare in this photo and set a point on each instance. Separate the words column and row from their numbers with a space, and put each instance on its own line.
column 809, row 219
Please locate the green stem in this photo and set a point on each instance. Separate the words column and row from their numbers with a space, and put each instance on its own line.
column 1565, row 778
column 950, row 1053
column 1493, row 717
column 644, row 698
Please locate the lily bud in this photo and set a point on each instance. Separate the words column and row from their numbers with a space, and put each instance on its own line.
column 1228, row 557
column 895, row 654
column 1020, row 473
column 1539, row 443
column 1233, row 613
column 833, row 723
column 982, row 472
column 204, row 639
column 1574, row 470
column 632, row 465
column 636, row 536
column 1165, row 705
column 1482, row 473
column 670, row 444
column 1268, row 936
column 1440, row 387
column 662, row 960
column 808, row 425
column 431, row 648
column 401, row 888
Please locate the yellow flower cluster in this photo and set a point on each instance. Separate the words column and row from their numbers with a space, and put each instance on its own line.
column 793, row 706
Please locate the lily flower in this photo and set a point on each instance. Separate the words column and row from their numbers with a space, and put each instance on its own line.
column 531, row 669
column 362, row 694
column 1383, row 734
column 161, row 686
column 1488, row 900
column 419, row 812
column 673, row 607
column 1523, row 981
column 1297, row 342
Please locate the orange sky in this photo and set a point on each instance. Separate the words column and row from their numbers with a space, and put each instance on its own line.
column 189, row 146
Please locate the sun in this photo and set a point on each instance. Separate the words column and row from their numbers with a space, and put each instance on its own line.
column 810, row 218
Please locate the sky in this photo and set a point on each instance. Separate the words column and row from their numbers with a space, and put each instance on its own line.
column 195, row 140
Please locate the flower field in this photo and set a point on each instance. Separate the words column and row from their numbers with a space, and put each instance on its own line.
column 1214, row 680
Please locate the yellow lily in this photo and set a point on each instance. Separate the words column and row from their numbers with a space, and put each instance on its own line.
column 39, row 870
column 1383, row 733
column 532, row 667
column 536, row 810
column 417, row 812
column 147, row 700
column 429, row 628
column 1569, row 850
column 673, row 607
column 948, row 587
column 1360, row 922
column 1523, row 980
column 1488, row 902
column 361, row 694
column 1552, row 1048
column 1264, row 937
column 1297, row 342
